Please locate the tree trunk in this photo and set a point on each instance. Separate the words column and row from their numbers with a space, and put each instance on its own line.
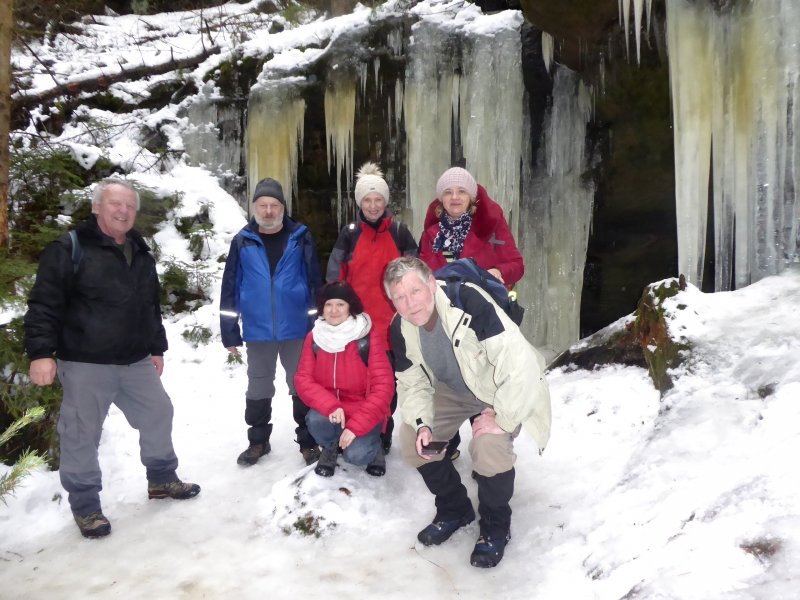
column 6, row 24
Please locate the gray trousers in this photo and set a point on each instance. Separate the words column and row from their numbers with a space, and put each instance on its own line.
column 262, row 358
column 491, row 453
column 89, row 391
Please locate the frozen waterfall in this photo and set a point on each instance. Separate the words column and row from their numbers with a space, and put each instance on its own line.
column 734, row 77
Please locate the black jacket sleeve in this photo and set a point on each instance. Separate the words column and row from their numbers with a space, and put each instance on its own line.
column 48, row 300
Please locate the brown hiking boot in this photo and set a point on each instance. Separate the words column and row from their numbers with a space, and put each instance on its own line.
column 93, row 525
column 250, row 456
column 310, row 455
column 174, row 489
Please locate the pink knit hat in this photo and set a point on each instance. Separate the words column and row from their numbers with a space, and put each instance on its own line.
column 457, row 177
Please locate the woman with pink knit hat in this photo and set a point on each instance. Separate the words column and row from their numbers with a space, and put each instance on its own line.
column 364, row 248
column 464, row 222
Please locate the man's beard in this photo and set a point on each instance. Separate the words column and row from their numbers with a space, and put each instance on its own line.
column 269, row 223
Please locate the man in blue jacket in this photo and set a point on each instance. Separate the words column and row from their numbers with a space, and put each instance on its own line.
column 270, row 281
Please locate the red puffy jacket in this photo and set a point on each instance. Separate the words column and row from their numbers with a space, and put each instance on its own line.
column 489, row 240
column 326, row 381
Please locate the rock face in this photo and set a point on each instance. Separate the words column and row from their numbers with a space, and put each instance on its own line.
column 633, row 240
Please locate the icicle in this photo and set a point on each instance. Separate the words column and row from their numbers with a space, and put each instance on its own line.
column 276, row 107
column 491, row 132
column 395, row 42
column 340, row 109
column 690, row 76
column 626, row 12
column 734, row 77
column 212, row 137
column 555, row 218
column 376, row 67
column 637, row 23
column 547, row 50
column 398, row 102
column 363, row 71
column 638, row 10
column 427, row 105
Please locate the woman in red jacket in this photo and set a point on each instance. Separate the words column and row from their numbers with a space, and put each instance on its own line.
column 346, row 381
column 464, row 222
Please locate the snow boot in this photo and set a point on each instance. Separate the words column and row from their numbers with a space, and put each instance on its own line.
column 326, row 465
column 377, row 468
column 488, row 551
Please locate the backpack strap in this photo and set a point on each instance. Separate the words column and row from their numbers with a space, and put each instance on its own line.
column 363, row 348
column 77, row 251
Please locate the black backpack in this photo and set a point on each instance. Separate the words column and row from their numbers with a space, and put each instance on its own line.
column 466, row 270
column 363, row 348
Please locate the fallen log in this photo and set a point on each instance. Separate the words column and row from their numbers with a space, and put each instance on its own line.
column 94, row 82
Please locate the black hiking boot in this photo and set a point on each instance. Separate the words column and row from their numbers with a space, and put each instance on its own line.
column 250, row 456
column 93, row 525
column 440, row 531
column 488, row 551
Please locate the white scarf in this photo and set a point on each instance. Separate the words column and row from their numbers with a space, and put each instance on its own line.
column 334, row 338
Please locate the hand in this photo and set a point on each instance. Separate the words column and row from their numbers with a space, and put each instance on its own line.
column 42, row 371
column 496, row 272
column 337, row 417
column 233, row 350
column 424, row 437
column 158, row 363
column 485, row 423
column 346, row 438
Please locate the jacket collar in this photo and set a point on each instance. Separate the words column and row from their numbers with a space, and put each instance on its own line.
column 90, row 231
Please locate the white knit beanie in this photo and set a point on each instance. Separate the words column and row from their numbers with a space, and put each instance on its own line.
column 370, row 179
column 457, row 177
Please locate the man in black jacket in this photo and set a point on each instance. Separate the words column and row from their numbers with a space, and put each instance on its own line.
column 97, row 324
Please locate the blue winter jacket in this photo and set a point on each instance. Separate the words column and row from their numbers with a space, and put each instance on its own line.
column 272, row 306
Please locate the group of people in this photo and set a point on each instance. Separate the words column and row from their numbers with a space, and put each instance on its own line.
column 380, row 332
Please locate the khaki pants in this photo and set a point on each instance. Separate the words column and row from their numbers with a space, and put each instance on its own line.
column 491, row 453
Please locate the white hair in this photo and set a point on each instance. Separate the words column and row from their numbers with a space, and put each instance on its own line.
column 103, row 185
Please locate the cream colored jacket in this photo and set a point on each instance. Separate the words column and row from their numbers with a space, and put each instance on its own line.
column 497, row 363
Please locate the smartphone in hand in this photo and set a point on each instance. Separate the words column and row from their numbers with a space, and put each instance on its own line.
column 434, row 448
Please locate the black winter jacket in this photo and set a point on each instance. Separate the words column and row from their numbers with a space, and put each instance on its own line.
column 103, row 312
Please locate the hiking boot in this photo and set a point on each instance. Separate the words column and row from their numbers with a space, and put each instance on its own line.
column 250, row 456
column 174, row 489
column 310, row 455
column 326, row 464
column 377, row 468
column 440, row 531
column 93, row 525
column 488, row 551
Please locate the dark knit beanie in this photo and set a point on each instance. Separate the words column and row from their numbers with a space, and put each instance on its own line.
column 269, row 187
column 340, row 290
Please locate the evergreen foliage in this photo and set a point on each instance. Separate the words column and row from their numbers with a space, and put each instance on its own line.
column 28, row 460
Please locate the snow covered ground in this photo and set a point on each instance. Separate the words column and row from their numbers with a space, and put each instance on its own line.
column 693, row 496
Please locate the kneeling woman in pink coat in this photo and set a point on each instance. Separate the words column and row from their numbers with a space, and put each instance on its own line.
column 345, row 378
